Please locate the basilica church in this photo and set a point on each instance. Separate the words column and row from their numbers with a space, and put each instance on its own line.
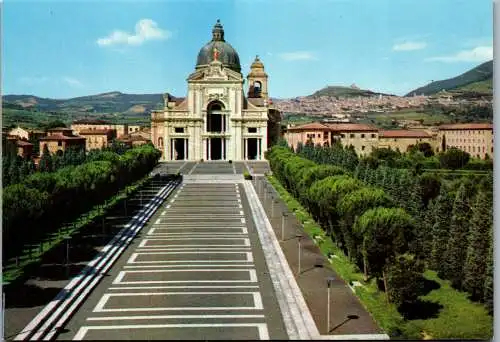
column 216, row 121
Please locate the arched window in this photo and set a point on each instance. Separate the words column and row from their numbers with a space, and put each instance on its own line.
column 257, row 88
column 160, row 142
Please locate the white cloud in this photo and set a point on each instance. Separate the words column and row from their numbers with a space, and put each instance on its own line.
column 73, row 82
column 32, row 81
column 409, row 46
column 298, row 56
column 477, row 54
column 145, row 29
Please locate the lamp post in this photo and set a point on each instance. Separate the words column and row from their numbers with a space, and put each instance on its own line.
column 283, row 215
column 67, row 238
column 329, row 282
column 299, row 239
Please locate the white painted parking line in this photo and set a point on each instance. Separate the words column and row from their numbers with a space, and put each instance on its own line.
column 168, row 206
column 163, row 213
column 239, row 200
column 262, row 328
column 144, row 242
column 189, row 230
column 257, row 301
column 186, row 266
column 185, row 287
column 134, row 256
column 195, row 248
column 158, row 221
column 243, row 220
column 107, row 318
column 252, row 276
column 240, row 206
column 241, row 212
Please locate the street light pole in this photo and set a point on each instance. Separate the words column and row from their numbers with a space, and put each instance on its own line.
column 299, row 238
column 283, row 215
column 329, row 282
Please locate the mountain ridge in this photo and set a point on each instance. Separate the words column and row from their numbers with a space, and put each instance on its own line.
column 480, row 73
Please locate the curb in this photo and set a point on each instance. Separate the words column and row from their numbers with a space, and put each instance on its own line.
column 80, row 286
column 296, row 315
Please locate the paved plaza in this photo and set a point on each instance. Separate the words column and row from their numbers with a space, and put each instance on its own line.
column 197, row 271
column 207, row 264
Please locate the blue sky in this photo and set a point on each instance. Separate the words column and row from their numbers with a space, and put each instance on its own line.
column 63, row 49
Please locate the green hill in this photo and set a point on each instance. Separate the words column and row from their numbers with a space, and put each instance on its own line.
column 112, row 102
column 478, row 79
column 342, row 92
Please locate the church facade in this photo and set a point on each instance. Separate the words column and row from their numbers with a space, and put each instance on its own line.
column 216, row 121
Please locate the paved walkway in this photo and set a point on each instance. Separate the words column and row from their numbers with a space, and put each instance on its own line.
column 348, row 318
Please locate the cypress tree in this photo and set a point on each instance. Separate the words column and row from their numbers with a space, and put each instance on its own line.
column 456, row 251
column 441, row 214
column 479, row 243
column 488, row 283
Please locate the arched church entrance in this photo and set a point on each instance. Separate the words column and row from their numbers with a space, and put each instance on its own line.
column 216, row 126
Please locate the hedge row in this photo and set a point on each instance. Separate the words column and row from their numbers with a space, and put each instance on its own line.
column 42, row 202
column 362, row 220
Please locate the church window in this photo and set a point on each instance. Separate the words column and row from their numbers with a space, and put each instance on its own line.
column 257, row 87
column 252, row 129
column 351, row 135
column 179, row 129
column 362, row 135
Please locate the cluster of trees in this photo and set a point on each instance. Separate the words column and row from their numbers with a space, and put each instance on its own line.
column 363, row 220
column 41, row 202
column 418, row 157
column 427, row 221
column 16, row 168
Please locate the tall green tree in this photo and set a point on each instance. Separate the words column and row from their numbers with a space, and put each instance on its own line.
column 405, row 279
column 476, row 263
column 488, row 282
column 441, row 210
column 46, row 164
column 456, row 251
column 385, row 232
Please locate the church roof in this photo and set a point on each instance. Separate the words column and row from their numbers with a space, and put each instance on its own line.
column 218, row 49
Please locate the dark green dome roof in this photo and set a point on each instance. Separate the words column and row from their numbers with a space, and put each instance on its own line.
column 227, row 55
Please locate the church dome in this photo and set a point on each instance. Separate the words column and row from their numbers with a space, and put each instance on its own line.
column 219, row 49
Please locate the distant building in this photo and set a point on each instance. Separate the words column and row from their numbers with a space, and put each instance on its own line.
column 403, row 139
column 26, row 134
column 60, row 139
column 364, row 138
column 98, row 138
column 94, row 124
column 13, row 144
column 473, row 138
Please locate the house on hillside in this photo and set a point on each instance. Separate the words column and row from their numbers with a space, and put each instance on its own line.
column 61, row 138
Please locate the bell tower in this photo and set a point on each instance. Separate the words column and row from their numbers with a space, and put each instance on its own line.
column 257, row 80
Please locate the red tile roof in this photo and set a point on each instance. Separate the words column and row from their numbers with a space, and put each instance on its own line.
column 466, row 126
column 23, row 143
column 57, row 137
column 403, row 133
column 352, row 127
column 315, row 126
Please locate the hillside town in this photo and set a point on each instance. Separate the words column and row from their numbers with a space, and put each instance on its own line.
column 334, row 106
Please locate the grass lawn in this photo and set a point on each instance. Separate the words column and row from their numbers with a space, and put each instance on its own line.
column 409, row 115
column 458, row 317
